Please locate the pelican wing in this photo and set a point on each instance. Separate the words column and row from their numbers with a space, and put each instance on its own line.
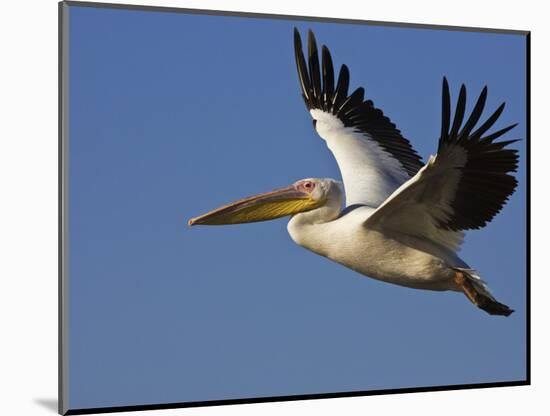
column 373, row 157
column 463, row 187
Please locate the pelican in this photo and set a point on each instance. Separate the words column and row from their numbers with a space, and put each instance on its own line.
column 403, row 221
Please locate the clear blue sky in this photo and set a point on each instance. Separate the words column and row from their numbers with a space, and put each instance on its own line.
column 172, row 115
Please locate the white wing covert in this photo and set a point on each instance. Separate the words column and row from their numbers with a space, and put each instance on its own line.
column 373, row 157
column 463, row 187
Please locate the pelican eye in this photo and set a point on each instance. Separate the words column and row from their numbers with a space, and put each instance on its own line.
column 308, row 186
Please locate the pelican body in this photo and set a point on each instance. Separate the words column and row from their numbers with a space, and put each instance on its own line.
column 394, row 218
column 374, row 252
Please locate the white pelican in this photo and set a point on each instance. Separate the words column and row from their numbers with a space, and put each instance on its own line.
column 403, row 220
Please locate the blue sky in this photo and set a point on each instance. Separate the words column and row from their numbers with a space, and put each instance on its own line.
column 172, row 115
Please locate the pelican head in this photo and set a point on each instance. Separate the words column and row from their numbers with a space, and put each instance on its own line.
column 312, row 196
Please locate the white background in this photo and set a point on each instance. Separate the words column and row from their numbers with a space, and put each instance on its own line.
column 28, row 208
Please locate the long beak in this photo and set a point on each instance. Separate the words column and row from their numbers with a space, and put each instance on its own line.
column 262, row 207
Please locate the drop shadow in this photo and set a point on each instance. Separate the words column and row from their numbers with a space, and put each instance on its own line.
column 49, row 404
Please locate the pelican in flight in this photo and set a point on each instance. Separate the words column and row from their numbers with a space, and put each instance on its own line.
column 403, row 220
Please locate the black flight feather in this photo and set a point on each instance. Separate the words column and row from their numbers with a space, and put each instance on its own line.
column 319, row 92
column 485, row 182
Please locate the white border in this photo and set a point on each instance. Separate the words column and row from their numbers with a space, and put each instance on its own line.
column 28, row 211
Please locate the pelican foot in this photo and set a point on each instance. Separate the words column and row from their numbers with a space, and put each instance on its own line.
column 478, row 298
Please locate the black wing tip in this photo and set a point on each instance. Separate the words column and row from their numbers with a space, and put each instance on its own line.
column 505, row 143
column 327, row 58
column 297, row 39
column 511, row 127
column 498, row 111
column 319, row 92
column 491, row 137
column 459, row 114
column 344, row 68
column 445, row 87
column 461, row 102
column 462, row 133
column 489, row 168
column 311, row 41
column 483, row 96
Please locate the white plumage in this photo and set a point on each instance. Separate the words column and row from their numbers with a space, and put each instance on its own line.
column 370, row 175
column 403, row 220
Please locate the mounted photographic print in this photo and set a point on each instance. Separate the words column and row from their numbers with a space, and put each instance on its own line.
column 265, row 208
